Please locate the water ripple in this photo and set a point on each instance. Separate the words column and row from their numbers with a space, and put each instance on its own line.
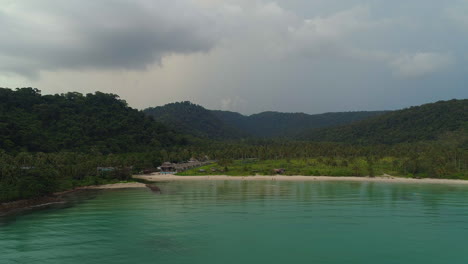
column 247, row 222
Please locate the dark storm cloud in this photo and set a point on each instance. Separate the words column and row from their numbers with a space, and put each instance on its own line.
column 49, row 35
column 242, row 55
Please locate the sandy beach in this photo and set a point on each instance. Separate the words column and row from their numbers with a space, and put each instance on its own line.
column 390, row 179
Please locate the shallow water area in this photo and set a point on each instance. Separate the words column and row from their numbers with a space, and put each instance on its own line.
column 248, row 222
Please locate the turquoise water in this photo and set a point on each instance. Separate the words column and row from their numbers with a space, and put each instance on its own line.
column 248, row 222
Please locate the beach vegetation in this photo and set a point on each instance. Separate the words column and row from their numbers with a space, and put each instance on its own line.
column 52, row 143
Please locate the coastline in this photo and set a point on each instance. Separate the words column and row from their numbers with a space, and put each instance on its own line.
column 384, row 179
column 114, row 186
column 8, row 208
column 12, row 207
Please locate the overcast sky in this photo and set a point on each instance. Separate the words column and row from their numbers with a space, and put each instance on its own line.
column 248, row 56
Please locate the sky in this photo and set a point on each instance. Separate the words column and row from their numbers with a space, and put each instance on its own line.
column 248, row 56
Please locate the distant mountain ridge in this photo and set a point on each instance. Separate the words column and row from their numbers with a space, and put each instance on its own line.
column 276, row 124
column 195, row 120
column 417, row 123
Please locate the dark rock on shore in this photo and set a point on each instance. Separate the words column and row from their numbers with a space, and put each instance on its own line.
column 16, row 206
column 153, row 188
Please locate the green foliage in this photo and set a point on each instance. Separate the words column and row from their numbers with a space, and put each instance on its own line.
column 96, row 122
column 51, row 143
column 435, row 160
column 193, row 119
column 307, row 167
column 29, row 175
column 276, row 124
column 225, row 162
column 446, row 120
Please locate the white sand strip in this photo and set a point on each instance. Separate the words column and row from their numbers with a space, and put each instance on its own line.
column 169, row 177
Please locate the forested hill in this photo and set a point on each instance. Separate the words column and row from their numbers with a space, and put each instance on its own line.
column 276, row 124
column 193, row 119
column 99, row 122
column 189, row 118
column 443, row 119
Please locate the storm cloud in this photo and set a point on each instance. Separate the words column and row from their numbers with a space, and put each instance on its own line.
column 243, row 55
column 54, row 34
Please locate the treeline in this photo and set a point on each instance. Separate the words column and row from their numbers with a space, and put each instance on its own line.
column 99, row 122
column 29, row 175
column 445, row 119
column 288, row 125
column 189, row 118
column 51, row 143
column 443, row 159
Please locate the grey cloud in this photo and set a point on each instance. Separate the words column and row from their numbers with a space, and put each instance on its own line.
column 288, row 55
column 459, row 14
column 421, row 64
column 50, row 35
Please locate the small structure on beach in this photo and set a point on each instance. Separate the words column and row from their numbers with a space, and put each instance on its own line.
column 279, row 171
column 167, row 167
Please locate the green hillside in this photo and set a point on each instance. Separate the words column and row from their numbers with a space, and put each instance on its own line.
column 100, row 122
column 276, row 124
column 419, row 123
column 193, row 119
column 189, row 118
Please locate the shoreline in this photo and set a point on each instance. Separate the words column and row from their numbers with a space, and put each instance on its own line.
column 384, row 179
column 114, row 186
column 12, row 207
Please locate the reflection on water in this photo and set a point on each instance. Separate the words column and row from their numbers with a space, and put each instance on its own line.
column 247, row 222
column 430, row 195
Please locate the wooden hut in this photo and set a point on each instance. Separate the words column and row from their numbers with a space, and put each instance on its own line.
column 167, row 167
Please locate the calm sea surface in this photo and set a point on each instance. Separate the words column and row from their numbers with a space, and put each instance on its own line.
column 248, row 222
